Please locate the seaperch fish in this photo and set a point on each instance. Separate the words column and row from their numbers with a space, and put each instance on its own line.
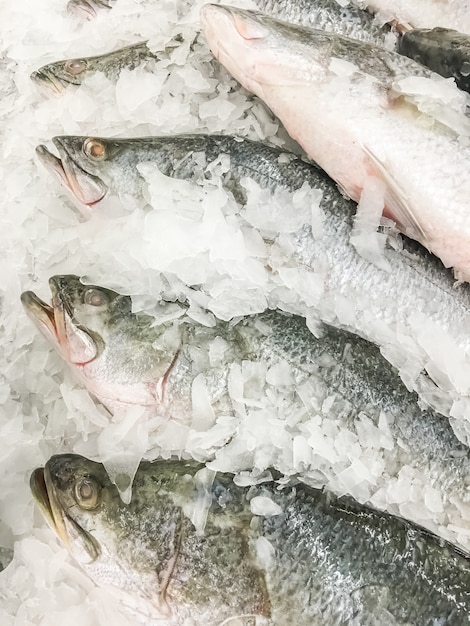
column 409, row 306
column 195, row 374
column 192, row 548
column 378, row 123
column 445, row 51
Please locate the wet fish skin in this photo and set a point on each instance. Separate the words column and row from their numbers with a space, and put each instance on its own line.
column 339, row 365
column 453, row 14
column 60, row 75
column 6, row 556
column 417, row 292
column 330, row 16
column 320, row 550
column 445, row 51
column 363, row 119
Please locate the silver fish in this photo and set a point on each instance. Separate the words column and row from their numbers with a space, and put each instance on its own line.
column 271, row 554
column 331, row 16
column 445, row 51
column 367, row 123
column 60, row 75
column 413, row 311
column 126, row 358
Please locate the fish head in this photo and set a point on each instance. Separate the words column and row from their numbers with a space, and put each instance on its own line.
column 121, row 357
column 71, row 492
column 78, row 321
column 260, row 51
column 78, row 166
column 131, row 548
column 59, row 76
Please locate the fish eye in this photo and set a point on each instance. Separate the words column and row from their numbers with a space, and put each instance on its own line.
column 95, row 297
column 75, row 67
column 87, row 493
column 94, row 149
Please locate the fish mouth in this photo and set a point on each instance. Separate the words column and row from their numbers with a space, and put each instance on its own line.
column 81, row 8
column 47, row 81
column 87, row 188
column 44, row 493
column 73, row 342
column 43, row 315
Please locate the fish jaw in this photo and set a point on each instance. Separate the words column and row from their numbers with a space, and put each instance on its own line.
column 55, row 322
column 58, row 505
column 43, row 492
column 49, row 82
column 87, row 188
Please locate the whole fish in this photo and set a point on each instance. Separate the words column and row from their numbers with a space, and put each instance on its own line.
column 375, row 120
column 59, row 75
column 453, row 14
column 130, row 358
column 445, row 51
column 194, row 548
column 413, row 311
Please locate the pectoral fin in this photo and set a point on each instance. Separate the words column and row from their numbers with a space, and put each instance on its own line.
column 396, row 202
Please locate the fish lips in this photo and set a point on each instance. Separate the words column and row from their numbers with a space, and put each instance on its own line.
column 76, row 539
column 44, row 493
column 48, row 81
column 86, row 187
column 74, row 343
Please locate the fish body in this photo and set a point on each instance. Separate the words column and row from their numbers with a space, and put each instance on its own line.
column 362, row 121
column 194, row 548
column 330, row 16
column 445, row 51
column 60, row 75
column 124, row 357
column 409, row 310
column 453, row 14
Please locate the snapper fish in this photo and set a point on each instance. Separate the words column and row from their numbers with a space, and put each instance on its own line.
column 194, row 548
column 336, row 382
column 445, row 51
column 389, row 131
column 409, row 305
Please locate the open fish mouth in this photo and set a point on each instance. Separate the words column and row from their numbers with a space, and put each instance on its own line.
column 43, row 315
column 43, row 492
column 48, row 82
column 73, row 342
column 87, row 188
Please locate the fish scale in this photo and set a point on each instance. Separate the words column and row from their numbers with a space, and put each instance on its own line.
column 397, row 308
column 365, row 119
column 306, row 558
column 135, row 351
